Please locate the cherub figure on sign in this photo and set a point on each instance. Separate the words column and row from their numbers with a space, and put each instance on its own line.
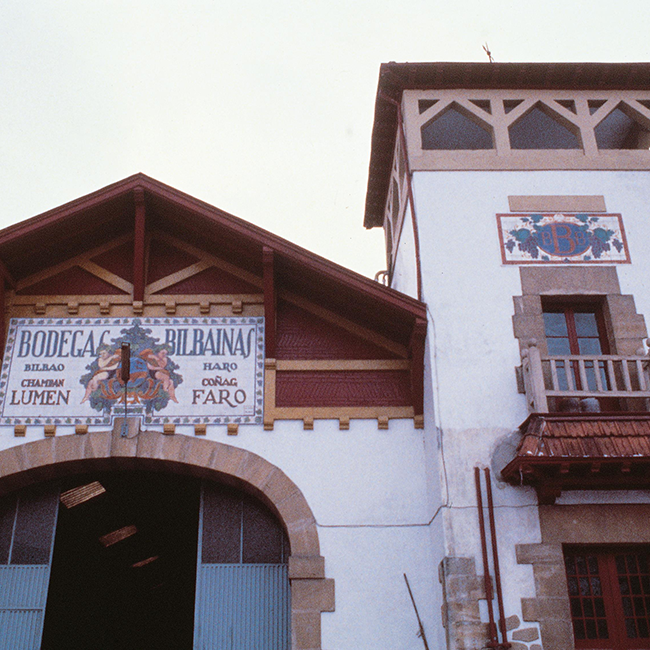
column 157, row 364
column 108, row 361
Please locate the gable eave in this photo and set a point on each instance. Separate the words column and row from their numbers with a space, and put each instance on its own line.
column 106, row 213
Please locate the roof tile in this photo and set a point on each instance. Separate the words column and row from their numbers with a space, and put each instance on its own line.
column 602, row 436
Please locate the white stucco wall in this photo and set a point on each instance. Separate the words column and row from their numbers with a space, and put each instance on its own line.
column 470, row 292
column 472, row 350
column 367, row 489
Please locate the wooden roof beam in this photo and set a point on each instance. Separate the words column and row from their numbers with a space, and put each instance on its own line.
column 270, row 301
column 138, row 245
column 4, row 273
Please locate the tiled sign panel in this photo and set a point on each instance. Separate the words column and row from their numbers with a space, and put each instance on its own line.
column 182, row 370
column 562, row 238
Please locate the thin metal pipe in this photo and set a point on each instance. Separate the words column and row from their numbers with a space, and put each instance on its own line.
column 486, row 567
column 495, row 558
column 417, row 614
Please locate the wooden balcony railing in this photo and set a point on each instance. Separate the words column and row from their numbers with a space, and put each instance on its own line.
column 585, row 376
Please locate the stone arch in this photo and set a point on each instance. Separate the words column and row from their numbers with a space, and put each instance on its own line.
column 57, row 456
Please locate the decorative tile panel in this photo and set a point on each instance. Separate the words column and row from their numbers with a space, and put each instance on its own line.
column 182, row 371
column 562, row 238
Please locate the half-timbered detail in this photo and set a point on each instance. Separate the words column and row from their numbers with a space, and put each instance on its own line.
column 337, row 345
column 141, row 329
column 513, row 199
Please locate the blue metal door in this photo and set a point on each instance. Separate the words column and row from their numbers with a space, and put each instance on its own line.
column 242, row 586
column 27, row 524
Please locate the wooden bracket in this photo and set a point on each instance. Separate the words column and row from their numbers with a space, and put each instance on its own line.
column 200, row 429
column 547, row 494
column 4, row 273
column 138, row 245
column 418, row 336
column 268, row 261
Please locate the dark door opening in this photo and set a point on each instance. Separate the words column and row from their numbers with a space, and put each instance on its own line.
column 124, row 564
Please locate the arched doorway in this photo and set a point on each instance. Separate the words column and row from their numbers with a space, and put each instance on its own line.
column 143, row 560
column 61, row 456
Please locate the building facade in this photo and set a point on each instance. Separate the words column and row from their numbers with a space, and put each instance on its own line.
column 210, row 437
column 514, row 201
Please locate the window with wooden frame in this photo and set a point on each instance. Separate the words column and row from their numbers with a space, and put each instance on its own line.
column 609, row 594
column 577, row 330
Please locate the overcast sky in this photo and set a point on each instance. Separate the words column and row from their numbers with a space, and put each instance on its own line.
column 263, row 109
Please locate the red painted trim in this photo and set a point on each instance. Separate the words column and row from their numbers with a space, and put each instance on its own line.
column 250, row 233
column 2, row 316
column 418, row 337
column 92, row 200
column 138, row 244
column 409, row 191
column 4, row 273
column 270, row 301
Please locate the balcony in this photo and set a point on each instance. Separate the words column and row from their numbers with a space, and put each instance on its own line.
column 585, row 383
column 589, row 427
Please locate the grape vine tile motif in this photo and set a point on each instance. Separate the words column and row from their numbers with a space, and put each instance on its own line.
column 562, row 238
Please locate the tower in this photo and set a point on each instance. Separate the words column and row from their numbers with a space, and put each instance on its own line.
column 514, row 201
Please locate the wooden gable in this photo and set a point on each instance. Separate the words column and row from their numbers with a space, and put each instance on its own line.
column 338, row 345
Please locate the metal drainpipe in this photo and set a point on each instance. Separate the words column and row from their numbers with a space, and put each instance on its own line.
column 409, row 189
column 495, row 558
column 486, row 568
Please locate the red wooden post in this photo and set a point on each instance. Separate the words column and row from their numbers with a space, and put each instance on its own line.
column 138, row 245
column 2, row 315
column 268, row 260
